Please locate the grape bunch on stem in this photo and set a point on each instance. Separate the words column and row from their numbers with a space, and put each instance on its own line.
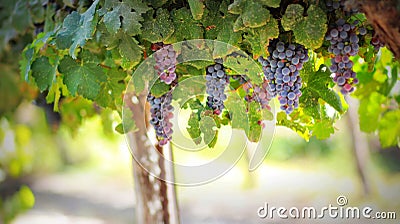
column 343, row 40
column 161, row 109
column 166, row 64
column 282, row 70
column 161, row 112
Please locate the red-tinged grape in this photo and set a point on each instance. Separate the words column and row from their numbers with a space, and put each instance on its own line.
column 343, row 46
column 166, row 63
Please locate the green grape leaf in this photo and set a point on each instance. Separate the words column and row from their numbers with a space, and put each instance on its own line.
column 49, row 23
column 189, row 87
column 237, row 111
column 110, row 94
column 258, row 38
column 193, row 128
column 254, row 131
column 186, row 28
column 255, row 15
column 125, row 15
column 43, row 72
column 89, row 57
column 237, row 7
column 238, row 25
column 317, row 88
column 157, row 3
column 220, row 24
column 20, row 17
column 309, row 101
column 159, row 88
column 243, row 64
column 227, row 33
column 55, row 91
column 198, row 50
column 271, row 3
column 158, row 29
column 267, row 115
column 252, row 15
column 312, row 30
column 323, row 129
column 369, row 112
column 308, row 31
column 303, row 131
column 197, row 8
column 77, row 29
column 389, row 129
column 292, row 16
column 37, row 11
column 26, row 62
column 127, row 47
column 81, row 79
column 209, row 129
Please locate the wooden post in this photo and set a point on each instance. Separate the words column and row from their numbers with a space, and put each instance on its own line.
column 360, row 144
column 155, row 198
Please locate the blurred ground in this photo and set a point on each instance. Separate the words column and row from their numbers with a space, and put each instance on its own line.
column 295, row 173
column 91, row 198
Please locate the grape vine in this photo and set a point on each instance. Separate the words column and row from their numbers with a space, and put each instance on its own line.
column 79, row 56
column 305, row 48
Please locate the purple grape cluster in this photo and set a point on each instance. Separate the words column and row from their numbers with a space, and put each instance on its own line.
column 343, row 41
column 259, row 93
column 216, row 81
column 349, row 7
column 282, row 71
column 333, row 5
column 166, row 63
column 161, row 113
